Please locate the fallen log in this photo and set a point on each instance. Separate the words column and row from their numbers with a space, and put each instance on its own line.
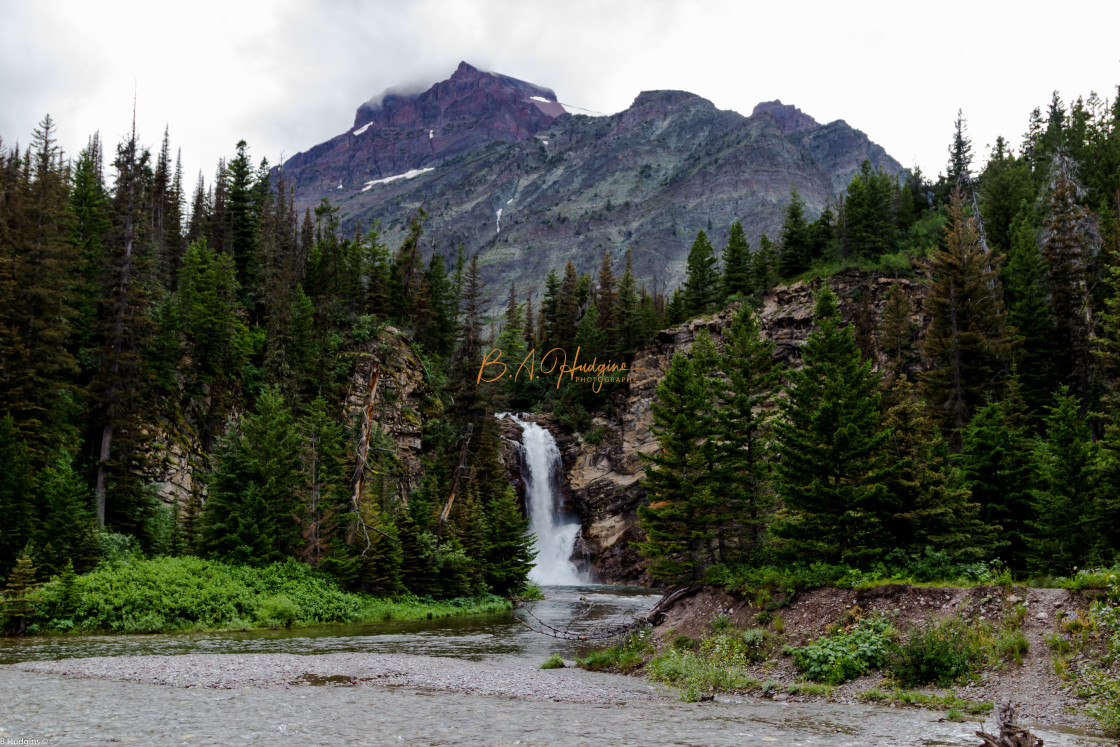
column 1010, row 733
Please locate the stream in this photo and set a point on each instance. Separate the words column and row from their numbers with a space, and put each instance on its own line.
column 66, row 710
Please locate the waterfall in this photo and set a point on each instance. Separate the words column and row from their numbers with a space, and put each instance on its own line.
column 556, row 534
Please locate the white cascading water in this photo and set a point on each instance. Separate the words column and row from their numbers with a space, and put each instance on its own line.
column 556, row 535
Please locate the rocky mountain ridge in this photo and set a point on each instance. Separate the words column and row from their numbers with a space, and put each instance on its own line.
column 504, row 171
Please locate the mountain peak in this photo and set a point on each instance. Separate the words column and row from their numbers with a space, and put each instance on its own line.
column 788, row 117
column 465, row 69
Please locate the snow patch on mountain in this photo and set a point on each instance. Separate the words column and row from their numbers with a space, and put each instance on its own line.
column 411, row 174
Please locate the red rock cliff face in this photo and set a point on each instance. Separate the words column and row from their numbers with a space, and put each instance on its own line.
column 397, row 133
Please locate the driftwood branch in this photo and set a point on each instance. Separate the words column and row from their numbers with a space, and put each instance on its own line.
column 1010, row 733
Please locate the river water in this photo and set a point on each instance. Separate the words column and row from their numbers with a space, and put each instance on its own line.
column 474, row 637
column 66, row 710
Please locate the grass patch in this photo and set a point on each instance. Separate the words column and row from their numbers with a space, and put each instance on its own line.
column 949, row 701
column 166, row 594
column 553, row 662
column 625, row 657
column 718, row 664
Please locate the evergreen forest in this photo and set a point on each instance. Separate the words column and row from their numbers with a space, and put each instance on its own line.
column 973, row 427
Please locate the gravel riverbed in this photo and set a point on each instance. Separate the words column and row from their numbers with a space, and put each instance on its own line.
column 395, row 699
column 227, row 672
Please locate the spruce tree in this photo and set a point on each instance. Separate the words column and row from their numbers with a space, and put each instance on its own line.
column 996, row 466
column 702, row 281
column 18, row 602
column 17, row 499
column 966, row 340
column 737, row 277
column 1069, row 247
column 66, row 529
column 1028, row 312
column 252, row 512
column 931, row 507
column 121, row 390
column 796, row 238
column 833, row 470
column 630, row 332
column 743, row 437
column 606, row 303
column 679, row 519
column 1067, row 530
column 897, row 332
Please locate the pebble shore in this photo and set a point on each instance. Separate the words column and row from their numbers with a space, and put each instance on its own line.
column 231, row 671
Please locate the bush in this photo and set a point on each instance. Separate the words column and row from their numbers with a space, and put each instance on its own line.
column 277, row 611
column 144, row 596
column 846, row 655
column 939, row 655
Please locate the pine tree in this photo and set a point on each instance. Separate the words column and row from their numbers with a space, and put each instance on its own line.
column 251, row 514
column 958, row 173
column 678, row 522
column 66, row 530
column 243, row 212
column 737, row 278
column 833, row 471
column 509, row 546
column 743, row 441
column 606, row 303
column 966, row 339
column 1069, row 247
column 1067, row 529
column 630, row 331
column 214, row 335
column 996, row 467
column 897, row 331
column 1028, row 312
column 39, row 270
column 702, row 281
column 440, row 327
column 122, row 385
column 17, row 499
column 869, row 228
column 406, row 269
column 18, row 604
column 931, row 506
column 326, row 491
column 567, row 310
column 796, row 238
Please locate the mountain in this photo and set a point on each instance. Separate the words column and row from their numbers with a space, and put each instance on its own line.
column 505, row 170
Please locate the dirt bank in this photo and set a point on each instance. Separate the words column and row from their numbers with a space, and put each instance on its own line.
column 1043, row 696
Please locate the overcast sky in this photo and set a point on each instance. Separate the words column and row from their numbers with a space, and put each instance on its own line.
column 287, row 74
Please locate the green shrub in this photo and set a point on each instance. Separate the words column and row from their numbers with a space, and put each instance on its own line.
column 1012, row 646
column 684, row 643
column 553, row 662
column 277, row 611
column 145, row 596
column 625, row 657
column 937, row 655
column 843, row 656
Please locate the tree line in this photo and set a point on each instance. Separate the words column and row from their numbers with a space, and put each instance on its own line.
column 223, row 326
